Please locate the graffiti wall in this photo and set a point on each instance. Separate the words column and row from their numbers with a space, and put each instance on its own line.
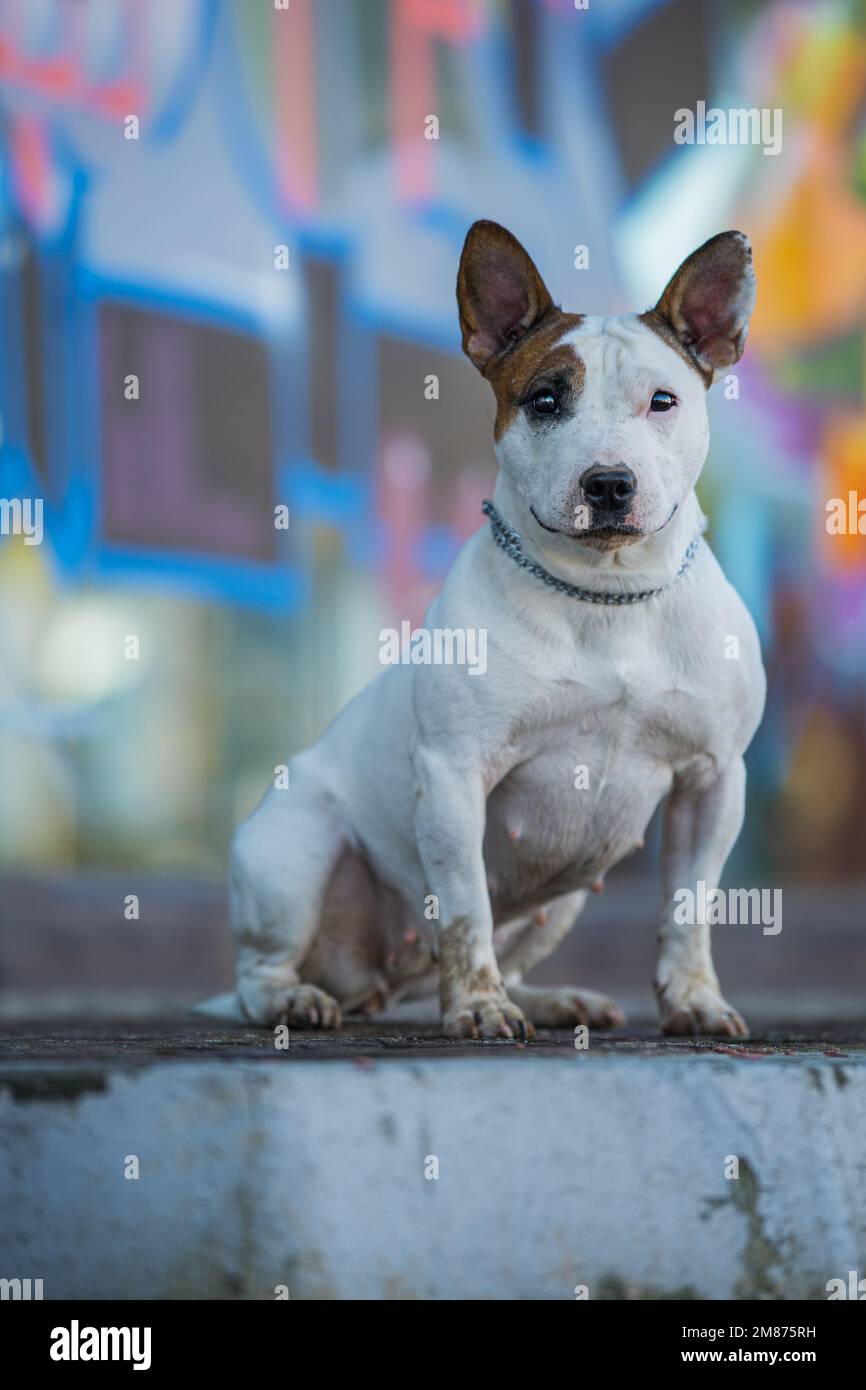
column 230, row 367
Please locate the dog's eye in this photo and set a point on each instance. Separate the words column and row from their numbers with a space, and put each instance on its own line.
column 544, row 403
column 662, row 400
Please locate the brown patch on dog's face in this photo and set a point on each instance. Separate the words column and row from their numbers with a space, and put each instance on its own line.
column 539, row 362
column 511, row 328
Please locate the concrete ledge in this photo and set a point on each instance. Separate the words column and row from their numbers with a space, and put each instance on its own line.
column 556, row 1168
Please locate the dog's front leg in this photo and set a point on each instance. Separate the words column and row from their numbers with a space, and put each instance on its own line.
column 703, row 817
column 449, row 822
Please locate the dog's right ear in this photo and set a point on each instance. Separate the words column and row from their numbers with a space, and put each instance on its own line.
column 500, row 294
column 710, row 299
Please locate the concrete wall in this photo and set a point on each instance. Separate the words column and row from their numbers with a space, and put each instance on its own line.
column 606, row 1171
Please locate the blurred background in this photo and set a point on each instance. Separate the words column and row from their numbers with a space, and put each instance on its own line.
column 229, row 235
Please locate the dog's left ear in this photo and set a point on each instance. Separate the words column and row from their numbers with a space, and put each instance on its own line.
column 710, row 299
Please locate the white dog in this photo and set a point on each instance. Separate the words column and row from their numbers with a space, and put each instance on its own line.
column 447, row 828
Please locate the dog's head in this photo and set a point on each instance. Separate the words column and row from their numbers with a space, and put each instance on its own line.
column 601, row 423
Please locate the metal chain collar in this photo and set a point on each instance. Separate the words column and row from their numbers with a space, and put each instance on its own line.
column 511, row 542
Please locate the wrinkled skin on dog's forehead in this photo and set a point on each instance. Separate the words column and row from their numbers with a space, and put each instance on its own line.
column 601, row 375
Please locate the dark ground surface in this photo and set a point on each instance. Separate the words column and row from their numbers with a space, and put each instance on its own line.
column 185, row 1039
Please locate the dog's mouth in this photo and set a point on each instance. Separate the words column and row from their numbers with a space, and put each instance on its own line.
column 604, row 536
column 609, row 537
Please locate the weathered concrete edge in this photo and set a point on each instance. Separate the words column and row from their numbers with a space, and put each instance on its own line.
column 607, row 1173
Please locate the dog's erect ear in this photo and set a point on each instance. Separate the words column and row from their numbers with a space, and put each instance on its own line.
column 709, row 301
column 500, row 293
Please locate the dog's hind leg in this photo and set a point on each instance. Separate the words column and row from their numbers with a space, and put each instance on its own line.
column 543, row 930
column 282, row 861
column 547, row 1005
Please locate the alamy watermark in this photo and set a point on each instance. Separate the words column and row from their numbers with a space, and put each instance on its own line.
column 739, row 125
column 20, row 1289
column 22, row 516
column 438, row 646
column 846, row 516
column 77, row 1343
column 720, row 907
column 854, row 1287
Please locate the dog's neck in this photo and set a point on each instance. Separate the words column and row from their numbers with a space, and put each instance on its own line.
column 645, row 564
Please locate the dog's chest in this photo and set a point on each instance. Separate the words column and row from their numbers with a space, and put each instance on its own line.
column 592, row 759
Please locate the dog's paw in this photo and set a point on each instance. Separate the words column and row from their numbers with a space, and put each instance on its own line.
column 307, row 1006
column 699, row 1009
column 489, row 1015
column 560, row 1008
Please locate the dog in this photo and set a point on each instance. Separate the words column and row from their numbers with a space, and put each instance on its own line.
column 437, row 834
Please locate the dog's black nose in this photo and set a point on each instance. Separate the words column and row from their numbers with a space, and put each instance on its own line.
column 611, row 489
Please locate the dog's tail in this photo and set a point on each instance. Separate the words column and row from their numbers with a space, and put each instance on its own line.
column 226, row 1007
